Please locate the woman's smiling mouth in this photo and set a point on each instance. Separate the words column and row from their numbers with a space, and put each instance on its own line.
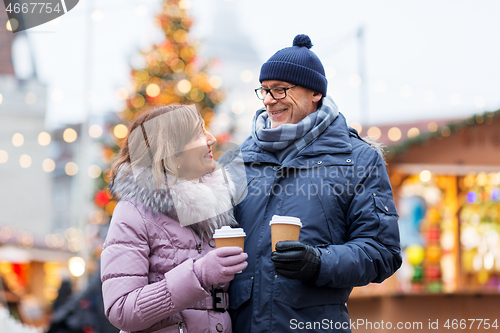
column 209, row 154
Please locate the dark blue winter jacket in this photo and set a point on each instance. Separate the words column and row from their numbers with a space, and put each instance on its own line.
column 339, row 187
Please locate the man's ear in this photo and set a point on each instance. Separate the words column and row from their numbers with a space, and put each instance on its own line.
column 316, row 97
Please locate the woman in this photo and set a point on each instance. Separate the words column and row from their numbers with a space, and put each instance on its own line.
column 158, row 270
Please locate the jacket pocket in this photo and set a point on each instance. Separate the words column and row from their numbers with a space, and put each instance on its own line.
column 298, row 295
column 240, row 290
column 388, row 231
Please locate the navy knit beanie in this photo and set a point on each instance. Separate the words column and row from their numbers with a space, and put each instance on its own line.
column 297, row 65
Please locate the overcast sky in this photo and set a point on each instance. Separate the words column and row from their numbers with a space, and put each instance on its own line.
column 424, row 59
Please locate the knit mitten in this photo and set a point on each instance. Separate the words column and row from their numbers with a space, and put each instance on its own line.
column 219, row 266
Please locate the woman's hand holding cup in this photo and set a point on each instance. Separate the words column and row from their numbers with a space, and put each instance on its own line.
column 220, row 265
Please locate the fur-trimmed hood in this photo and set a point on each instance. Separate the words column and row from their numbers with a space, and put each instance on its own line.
column 204, row 205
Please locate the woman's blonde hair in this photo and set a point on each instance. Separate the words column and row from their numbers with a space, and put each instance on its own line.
column 155, row 138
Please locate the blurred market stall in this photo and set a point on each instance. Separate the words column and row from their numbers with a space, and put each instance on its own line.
column 446, row 181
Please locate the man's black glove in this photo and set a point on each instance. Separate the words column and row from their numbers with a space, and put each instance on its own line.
column 295, row 260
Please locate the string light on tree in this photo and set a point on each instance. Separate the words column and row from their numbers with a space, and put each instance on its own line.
column 101, row 198
column 120, row 131
column 184, row 86
column 184, row 4
column 110, row 207
column 153, row 90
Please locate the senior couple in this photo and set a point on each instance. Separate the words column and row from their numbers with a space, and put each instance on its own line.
column 160, row 271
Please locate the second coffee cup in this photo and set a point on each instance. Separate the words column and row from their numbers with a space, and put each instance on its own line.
column 227, row 236
column 284, row 228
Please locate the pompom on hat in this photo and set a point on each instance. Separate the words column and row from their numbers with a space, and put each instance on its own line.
column 298, row 65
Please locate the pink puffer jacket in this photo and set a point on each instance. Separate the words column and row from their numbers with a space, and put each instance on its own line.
column 147, row 262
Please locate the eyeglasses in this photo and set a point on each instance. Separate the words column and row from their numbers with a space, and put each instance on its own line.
column 276, row 93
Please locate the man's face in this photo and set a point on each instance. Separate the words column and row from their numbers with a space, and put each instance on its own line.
column 298, row 103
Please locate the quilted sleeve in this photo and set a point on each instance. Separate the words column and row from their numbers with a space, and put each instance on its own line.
column 131, row 303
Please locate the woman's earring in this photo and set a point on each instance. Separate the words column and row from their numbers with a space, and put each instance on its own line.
column 178, row 167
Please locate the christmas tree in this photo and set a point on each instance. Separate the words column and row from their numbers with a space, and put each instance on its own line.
column 174, row 74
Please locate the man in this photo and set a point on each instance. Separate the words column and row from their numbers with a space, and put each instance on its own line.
column 303, row 160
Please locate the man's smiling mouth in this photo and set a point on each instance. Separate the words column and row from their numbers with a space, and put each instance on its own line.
column 273, row 113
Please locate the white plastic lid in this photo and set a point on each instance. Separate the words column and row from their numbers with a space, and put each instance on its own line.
column 228, row 232
column 285, row 220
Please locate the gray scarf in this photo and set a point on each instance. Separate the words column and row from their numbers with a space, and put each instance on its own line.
column 287, row 140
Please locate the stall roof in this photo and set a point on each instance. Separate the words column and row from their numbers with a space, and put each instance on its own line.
column 469, row 144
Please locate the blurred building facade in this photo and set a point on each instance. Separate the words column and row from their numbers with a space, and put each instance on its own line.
column 23, row 195
column 34, row 238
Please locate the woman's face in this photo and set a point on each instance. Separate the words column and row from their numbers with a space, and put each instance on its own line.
column 196, row 158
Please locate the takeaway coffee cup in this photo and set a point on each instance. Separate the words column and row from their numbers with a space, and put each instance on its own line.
column 227, row 236
column 284, row 228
